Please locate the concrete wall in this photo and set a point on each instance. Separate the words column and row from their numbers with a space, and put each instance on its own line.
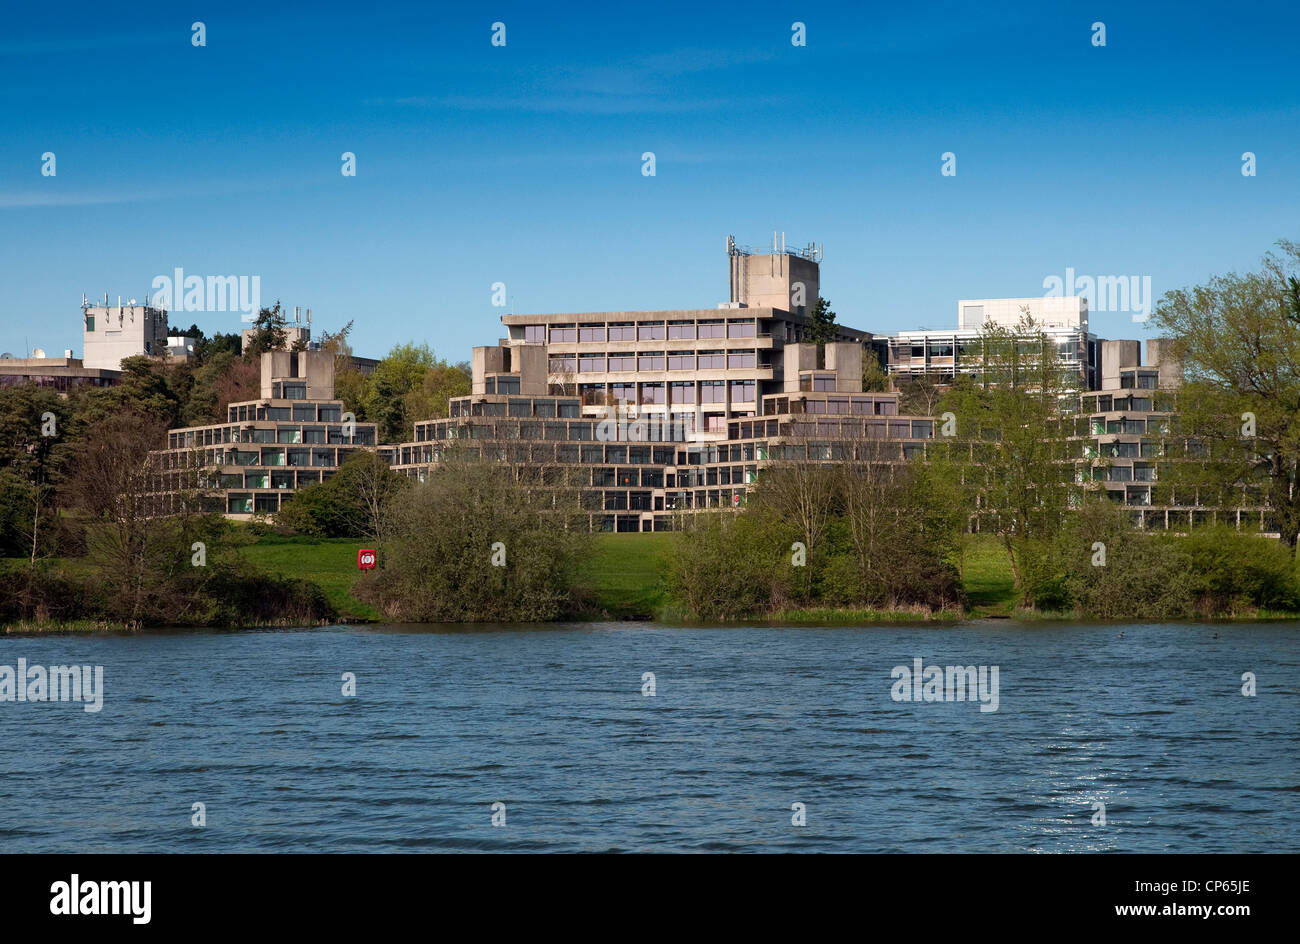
column 845, row 358
column 1160, row 356
column 530, row 362
column 797, row 357
column 316, row 367
column 768, row 281
column 121, row 331
column 1116, row 355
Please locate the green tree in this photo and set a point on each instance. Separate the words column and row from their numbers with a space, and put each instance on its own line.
column 874, row 378
column 269, row 332
column 480, row 540
column 409, row 384
column 428, row 399
column 821, row 326
column 1238, row 338
column 1014, row 448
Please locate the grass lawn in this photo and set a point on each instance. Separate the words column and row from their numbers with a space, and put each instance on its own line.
column 626, row 572
column 330, row 563
column 986, row 574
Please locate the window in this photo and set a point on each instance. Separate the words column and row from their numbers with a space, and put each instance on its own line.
column 682, row 392
column 591, row 363
column 90, row 322
column 651, row 361
column 743, row 391
column 623, row 331
column 623, row 393
column 652, row 393
column 295, row 390
column 627, row 362
column 650, row 332
column 712, row 360
column 740, row 329
column 681, row 360
column 713, row 391
column 683, row 330
column 741, row 359
column 535, row 334
column 592, row 334
column 563, row 334
column 510, row 385
column 564, row 364
column 712, row 329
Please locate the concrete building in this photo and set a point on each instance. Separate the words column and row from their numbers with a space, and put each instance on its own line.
column 266, row 449
column 942, row 353
column 699, row 366
column 61, row 373
column 1127, row 432
column 112, row 333
column 640, row 468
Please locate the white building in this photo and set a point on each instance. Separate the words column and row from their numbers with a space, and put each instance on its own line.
column 941, row 352
column 111, row 333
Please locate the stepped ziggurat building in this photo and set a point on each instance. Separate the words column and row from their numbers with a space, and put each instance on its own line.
column 656, row 413
column 294, row 435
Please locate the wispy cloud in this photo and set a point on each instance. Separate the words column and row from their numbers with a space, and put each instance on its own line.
column 657, row 83
column 52, row 196
column 585, row 104
column 94, row 43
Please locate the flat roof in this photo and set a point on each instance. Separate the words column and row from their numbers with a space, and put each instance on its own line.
column 713, row 314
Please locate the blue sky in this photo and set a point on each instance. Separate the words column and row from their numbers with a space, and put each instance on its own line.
column 522, row 164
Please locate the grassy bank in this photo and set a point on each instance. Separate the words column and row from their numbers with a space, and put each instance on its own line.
column 330, row 563
column 625, row 576
column 985, row 571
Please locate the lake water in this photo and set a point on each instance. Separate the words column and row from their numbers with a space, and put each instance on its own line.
column 744, row 723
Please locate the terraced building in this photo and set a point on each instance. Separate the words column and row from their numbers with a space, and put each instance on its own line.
column 294, row 435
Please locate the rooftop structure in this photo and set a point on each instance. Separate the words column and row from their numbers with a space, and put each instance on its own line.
column 112, row 333
column 711, row 363
column 944, row 353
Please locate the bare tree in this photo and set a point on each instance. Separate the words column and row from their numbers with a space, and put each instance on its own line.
column 118, row 486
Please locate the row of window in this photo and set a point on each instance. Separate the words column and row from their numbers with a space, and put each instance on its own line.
column 362, row 435
column 1110, row 403
column 654, row 360
column 314, row 412
column 640, row 331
